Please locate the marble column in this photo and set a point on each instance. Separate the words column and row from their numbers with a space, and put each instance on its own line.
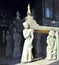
column 57, row 42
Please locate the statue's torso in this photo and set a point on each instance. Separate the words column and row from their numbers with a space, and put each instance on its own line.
column 27, row 42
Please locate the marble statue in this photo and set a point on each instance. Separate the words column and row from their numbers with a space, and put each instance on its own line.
column 9, row 44
column 51, row 46
column 57, row 44
column 17, row 39
column 27, row 49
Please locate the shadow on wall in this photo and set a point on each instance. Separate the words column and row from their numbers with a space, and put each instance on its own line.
column 43, row 45
column 39, row 45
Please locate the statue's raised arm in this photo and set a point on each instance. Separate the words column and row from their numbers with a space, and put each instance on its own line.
column 27, row 48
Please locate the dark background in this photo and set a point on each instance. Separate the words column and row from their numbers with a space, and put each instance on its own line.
column 11, row 6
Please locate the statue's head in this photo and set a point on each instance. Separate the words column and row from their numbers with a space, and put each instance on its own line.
column 51, row 32
column 26, row 25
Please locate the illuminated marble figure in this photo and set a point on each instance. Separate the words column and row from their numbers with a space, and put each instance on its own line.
column 51, row 46
column 27, row 49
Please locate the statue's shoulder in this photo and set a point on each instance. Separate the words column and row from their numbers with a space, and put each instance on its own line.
column 25, row 31
column 28, row 30
column 31, row 30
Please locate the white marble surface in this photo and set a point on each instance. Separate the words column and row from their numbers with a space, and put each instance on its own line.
column 40, row 62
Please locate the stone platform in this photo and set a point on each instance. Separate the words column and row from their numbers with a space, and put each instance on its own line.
column 35, row 62
column 41, row 62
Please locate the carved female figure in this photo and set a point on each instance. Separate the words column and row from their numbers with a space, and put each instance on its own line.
column 27, row 49
column 51, row 46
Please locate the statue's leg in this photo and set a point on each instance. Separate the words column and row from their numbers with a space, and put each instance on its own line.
column 54, row 54
column 48, row 57
column 24, row 57
column 30, row 54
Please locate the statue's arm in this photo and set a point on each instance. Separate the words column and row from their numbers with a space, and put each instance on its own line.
column 48, row 40
column 55, row 45
column 32, row 36
column 26, row 34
